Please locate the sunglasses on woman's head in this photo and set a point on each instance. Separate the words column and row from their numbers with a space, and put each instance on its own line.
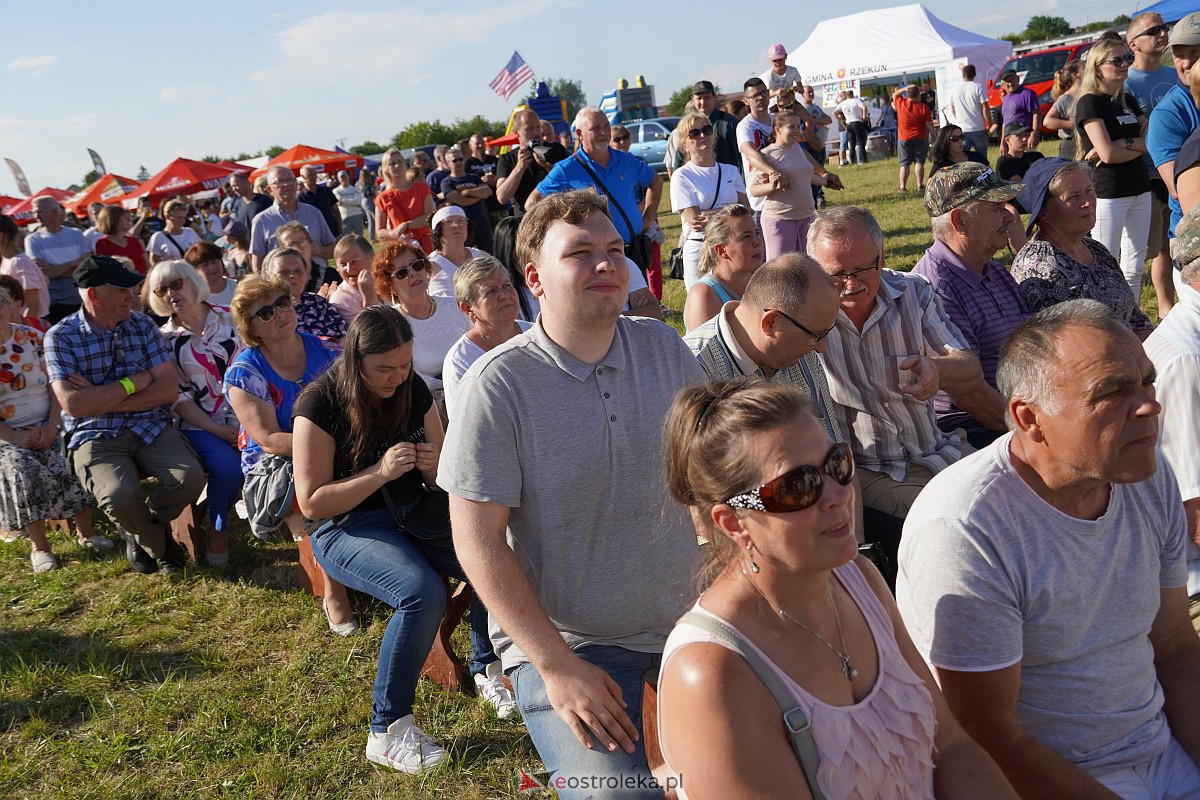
column 800, row 488
column 420, row 265
column 267, row 313
column 696, row 133
column 173, row 286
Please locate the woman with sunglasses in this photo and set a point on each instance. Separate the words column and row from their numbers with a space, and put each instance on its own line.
column 947, row 149
column 786, row 212
column 314, row 314
column 262, row 385
column 771, row 493
column 1110, row 131
column 700, row 187
column 401, row 273
column 204, row 341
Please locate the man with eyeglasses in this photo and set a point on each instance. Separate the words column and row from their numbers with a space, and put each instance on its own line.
column 113, row 374
column 889, row 352
column 287, row 207
column 1149, row 81
column 470, row 193
column 1043, row 578
column 1176, row 116
column 753, row 134
column 967, row 207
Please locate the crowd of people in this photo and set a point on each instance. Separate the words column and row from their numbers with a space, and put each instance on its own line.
column 936, row 530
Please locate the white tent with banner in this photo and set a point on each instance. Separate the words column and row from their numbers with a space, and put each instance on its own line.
column 891, row 42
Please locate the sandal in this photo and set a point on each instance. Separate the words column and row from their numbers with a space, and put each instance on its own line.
column 42, row 561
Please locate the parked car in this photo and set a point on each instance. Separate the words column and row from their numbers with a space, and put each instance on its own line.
column 648, row 139
column 1036, row 70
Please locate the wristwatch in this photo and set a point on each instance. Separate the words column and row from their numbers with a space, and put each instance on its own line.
column 1128, row 142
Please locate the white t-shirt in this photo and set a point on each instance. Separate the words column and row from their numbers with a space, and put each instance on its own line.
column 853, row 109
column 441, row 282
column 161, row 247
column 30, row 276
column 751, row 130
column 966, row 106
column 790, row 76
column 692, row 186
column 223, row 298
column 991, row 575
column 349, row 201
column 433, row 338
column 91, row 236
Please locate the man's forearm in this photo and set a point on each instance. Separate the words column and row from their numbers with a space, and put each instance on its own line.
column 984, row 404
column 1178, row 676
column 1039, row 773
column 506, row 187
column 58, row 270
column 958, row 371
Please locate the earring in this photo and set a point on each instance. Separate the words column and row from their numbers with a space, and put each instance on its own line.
column 753, row 563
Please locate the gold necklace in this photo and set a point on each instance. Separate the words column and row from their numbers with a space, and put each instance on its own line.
column 848, row 669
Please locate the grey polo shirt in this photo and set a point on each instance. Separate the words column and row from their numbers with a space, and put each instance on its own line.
column 575, row 451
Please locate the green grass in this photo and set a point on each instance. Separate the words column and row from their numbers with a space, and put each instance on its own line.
column 114, row 685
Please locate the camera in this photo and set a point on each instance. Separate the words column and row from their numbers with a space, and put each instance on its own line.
column 539, row 147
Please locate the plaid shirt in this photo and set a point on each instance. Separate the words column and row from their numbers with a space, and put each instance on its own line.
column 887, row 429
column 77, row 347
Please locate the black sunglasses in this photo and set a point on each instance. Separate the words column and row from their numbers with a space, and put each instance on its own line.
column 624, row 138
column 1155, row 31
column 1119, row 61
column 816, row 337
column 267, row 312
column 696, row 133
column 420, row 265
column 956, row 137
column 173, row 286
column 800, row 488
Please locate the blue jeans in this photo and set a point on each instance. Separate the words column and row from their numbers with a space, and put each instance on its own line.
column 223, row 464
column 363, row 550
column 583, row 773
column 976, row 141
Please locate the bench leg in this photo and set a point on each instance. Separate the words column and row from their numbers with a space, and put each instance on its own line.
column 442, row 665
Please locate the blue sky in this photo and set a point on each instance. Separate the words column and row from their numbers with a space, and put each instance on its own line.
column 144, row 83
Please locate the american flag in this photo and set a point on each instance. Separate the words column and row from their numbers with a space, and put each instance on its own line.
column 515, row 73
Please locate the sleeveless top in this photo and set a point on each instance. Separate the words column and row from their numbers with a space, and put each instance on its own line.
column 879, row 748
column 719, row 288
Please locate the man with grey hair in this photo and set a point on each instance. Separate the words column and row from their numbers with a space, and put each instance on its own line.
column 613, row 174
column 287, row 207
column 971, row 221
column 890, row 350
column 1174, row 347
column 57, row 250
column 1043, row 577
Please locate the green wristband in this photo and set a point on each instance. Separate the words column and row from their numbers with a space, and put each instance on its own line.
column 128, row 386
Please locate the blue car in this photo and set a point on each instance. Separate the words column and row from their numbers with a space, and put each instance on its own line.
column 648, row 139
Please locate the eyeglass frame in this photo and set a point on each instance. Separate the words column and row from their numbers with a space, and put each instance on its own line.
column 411, row 267
column 816, row 337
column 174, row 286
column 1121, row 61
column 840, row 278
column 753, row 500
column 1154, row 31
column 271, row 310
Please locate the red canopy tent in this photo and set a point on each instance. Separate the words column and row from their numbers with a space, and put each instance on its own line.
column 107, row 189
column 302, row 155
column 7, row 203
column 22, row 213
column 181, row 176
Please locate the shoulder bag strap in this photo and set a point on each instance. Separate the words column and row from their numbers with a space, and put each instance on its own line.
column 172, row 238
column 717, row 191
column 795, row 719
column 608, row 194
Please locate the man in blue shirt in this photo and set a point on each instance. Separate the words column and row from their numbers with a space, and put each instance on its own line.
column 286, row 191
column 1176, row 115
column 114, row 376
column 611, row 173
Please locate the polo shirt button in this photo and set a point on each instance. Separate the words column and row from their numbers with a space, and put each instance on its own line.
column 607, row 395
column 613, row 418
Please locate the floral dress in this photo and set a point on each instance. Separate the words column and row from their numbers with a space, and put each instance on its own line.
column 34, row 484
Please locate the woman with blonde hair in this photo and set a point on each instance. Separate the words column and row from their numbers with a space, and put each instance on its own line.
column 730, row 253
column 404, row 207
column 1066, row 88
column 1110, row 130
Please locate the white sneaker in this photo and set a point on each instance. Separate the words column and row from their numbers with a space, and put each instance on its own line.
column 492, row 688
column 404, row 747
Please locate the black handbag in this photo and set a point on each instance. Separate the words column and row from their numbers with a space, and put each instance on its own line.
column 676, row 264
column 433, row 507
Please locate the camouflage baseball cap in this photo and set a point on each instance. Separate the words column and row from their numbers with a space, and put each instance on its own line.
column 1186, row 247
column 950, row 187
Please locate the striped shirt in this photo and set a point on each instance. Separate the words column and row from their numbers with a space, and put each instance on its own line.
column 1174, row 347
column 77, row 347
column 984, row 307
column 889, row 430
column 714, row 345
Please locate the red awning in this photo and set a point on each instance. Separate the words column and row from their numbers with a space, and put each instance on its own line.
column 181, row 176
column 22, row 213
column 302, row 155
column 108, row 189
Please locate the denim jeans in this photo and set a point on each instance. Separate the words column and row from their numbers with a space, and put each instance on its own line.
column 223, row 464
column 363, row 550
column 976, row 141
column 584, row 772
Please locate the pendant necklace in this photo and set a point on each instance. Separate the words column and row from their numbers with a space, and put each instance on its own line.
column 848, row 669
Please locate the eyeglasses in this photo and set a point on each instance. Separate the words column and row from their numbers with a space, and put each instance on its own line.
column 800, row 488
column 624, row 138
column 267, row 312
column 840, row 278
column 174, row 286
column 756, row 95
column 816, row 337
column 1119, row 61
column 956, row 137
column 420, row 265
column 696, row 133
column 1157, row 30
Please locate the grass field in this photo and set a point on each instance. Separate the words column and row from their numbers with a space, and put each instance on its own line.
column 113, row 685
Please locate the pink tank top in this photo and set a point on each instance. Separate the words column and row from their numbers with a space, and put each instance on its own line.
column 880, row 747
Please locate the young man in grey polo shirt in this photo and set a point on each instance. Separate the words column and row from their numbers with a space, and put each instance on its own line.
column 556, row 442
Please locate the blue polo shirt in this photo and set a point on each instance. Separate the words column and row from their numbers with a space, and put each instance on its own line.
column 624, row 174
column 1173, row 120
column 262, row 230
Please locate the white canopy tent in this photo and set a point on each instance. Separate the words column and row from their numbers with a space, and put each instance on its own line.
column 891, row 42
